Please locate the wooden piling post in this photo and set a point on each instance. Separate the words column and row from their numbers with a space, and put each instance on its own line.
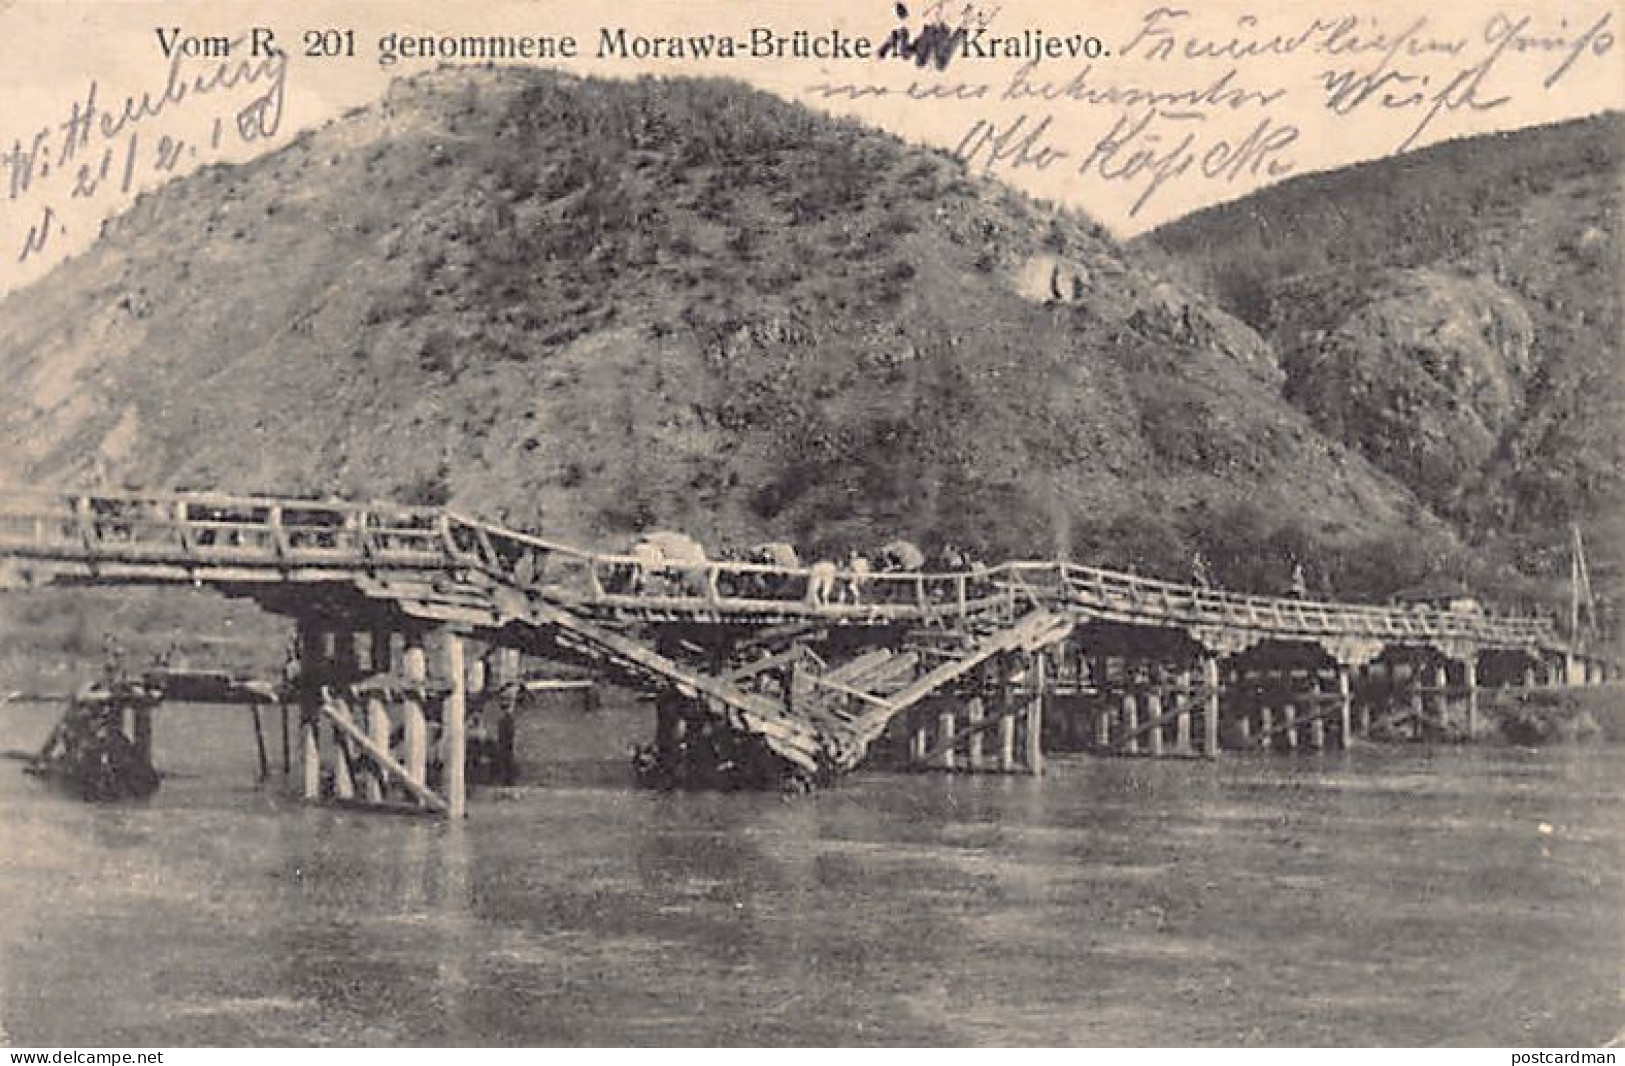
column 310, row 754
column 1035, row 714
column 414, row 722
column 669, row 727
column 945, row 734
column 1182, row 705
column 455, row 751
column 1345, row 705
column 1317, row 728
column 343, row 777
column 1418, row 702
column 1210, row 718
column 259, row 742
column 1441, row 685
column 1153, row 711
column 141, row 732
column 974, row 714
column 1470, row 679
column 1131, row 723
column 1007, row 742
column 311, row 670
column 1266, row 725
column 378, row 730
column 1289, row 726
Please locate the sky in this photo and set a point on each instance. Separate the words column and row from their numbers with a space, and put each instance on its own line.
column 1133, row 112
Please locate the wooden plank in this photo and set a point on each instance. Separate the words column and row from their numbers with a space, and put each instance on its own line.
column 378, row 729
column 894, row 669
column 843, row 674
column 933, row 753
column 419, row 792
column 343, row 773
column 1151, row 726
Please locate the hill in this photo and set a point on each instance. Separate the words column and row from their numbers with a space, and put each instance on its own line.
column 1453, row 314
column 595, row 307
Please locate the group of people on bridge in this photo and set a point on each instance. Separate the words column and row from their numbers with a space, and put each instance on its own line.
column 675, row 564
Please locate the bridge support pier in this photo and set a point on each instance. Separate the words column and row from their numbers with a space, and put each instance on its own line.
column 973, row 718
column 311, row 668
column 1181, row 697
column 1419, row 709
column 946, row 731
column 359, row 759
column 1345, row 702
column 1210, row 713
column 1036, row 677
column 1153, row 714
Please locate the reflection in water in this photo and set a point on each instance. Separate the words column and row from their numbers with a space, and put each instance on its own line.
column 1394, row 896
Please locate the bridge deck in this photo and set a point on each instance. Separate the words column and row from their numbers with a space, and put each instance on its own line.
column 440, row 566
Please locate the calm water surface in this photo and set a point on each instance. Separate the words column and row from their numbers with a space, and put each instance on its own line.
column 1389, row 896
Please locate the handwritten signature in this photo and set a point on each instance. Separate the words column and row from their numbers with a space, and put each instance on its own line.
column 100, row 146
column 1151, row 147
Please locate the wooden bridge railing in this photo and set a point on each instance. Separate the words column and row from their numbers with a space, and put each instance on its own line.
column 195, row 532
column 1138, row 597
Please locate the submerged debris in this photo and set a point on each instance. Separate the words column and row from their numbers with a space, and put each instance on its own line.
column 90, row 751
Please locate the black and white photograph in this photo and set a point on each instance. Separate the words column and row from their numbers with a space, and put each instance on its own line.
column 965, row 524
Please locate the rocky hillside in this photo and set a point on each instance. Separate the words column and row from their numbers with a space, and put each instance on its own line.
column 1454, row 315
column 598, row 307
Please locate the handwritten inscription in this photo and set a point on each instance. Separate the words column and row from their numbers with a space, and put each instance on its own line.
column 1192, row 100
column 1151, row 149
column 103, row 148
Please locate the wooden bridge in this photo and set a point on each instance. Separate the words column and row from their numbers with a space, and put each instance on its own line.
column 767, row 673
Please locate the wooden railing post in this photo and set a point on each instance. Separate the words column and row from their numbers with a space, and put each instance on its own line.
column 183, row 526
column 279, row 534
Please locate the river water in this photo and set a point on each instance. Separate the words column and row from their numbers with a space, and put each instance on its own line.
column 1391, row 895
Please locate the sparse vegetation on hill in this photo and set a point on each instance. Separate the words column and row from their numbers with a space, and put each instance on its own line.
column 1455, row 316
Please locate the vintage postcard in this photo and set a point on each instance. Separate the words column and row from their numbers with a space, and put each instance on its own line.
column 954, row 523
